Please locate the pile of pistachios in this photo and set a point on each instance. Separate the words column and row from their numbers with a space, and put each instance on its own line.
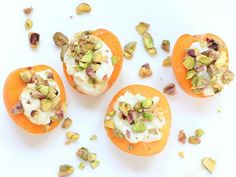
column 207, row 69
column 136, row 116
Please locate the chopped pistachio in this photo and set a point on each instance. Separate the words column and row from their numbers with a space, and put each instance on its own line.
column 118, row 133
column 88, row 57
column 149, row 43
column 148, row 116
column 81, row 166
column 188, row 62
column 194, row 81
column 46, row 105
column 71, row 137
column 84, row 154
column 129, row 49
column 83, row 8
column 28, row 10
column 194, row 140
column 65, row 170
column 209, row 164
column 138, row 107
column 93, row 137
column 147, row 103
column 166, row 62
column 190, row 74
column 227, row 77
column 153, row 131
column 165, row 45
column 43, row 89
column 114, row 60
column 139, row 127
column 28, row 24
column 52, row 92
column 83, row 65
column 181, row 154
column 109, row 124
column 98, row 45
column 111, row 113
column 67, row 123
column 142, row 27
column 170, row 89
column 199, row 132
column 60, row 39
column 34, row 39
column 95, row 164
column 202, row 82
column 145, row 70
column 92, row 157
column 26, row 76
column 124, row 108
column 222, row 60
column 204, row 59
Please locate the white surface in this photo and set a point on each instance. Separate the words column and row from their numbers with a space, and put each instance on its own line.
column 24, row 155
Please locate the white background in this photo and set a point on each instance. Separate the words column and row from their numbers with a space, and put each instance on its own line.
column 25, row 155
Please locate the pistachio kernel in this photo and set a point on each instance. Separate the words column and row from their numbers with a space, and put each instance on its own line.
column 111, row 113
column 188, row 62
column 28, row 24
column 83, row 8
column 44, row 90
column 190, row 74
column 52, row 92
column 209, row 164
column 26, row 76
column 204, row 59
column 149, row 43
column 83, row 153
column 147, row 103
column 170, row 89
column 67, row 123
column 148, row 116
column 227, row 77
column 129, row 49
column 152, row 52
column 142, row 27
column 165, row 45
column 145, row 70
column 93, row 138
column 139, row 127
column 181, row 154
column 114, row 60
column 71, row 137
column 46, row 105
column 194, row 140
column 124, row 108
column 95, row 164
column 60, row 39
column 199, row 132
column 166, row 62
column 65, row 170
column 34, row 39
column 28, row 10
column 138, row 107
column 81, row 166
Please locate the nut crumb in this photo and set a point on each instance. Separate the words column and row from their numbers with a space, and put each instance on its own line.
column 181, row 154
column 170, row 89
column 145, row 70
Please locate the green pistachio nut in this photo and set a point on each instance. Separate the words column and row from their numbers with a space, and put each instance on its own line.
column 88, row 57
column 139, row 127
column 148, row 116
column 147, row 103
column 190, row 74
column 204, row 59
column 46, row 105
column 188, row 62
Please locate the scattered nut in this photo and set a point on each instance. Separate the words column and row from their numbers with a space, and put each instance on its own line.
column 182, row 137
column 28, row 10
column 194, row 140
column 26, row 76
column 142, row 27
column 83, row 8
column 199, row 133
column 170, row 89
column 67, row 123
column 145, row 70
column 28, row 24
column 95, row 164
column 34, row 39
column 165, row 45
column 181, row 154
column 81, row 166
column 149, row 44
column 209, row 164
column 93, row 137
column 227, row 77
column 60, row 39
column 71, row 137
column 129, row 49
column 166, row 62
column 65, row 170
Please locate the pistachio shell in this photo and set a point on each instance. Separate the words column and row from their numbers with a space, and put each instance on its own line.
column 209, row 164
column 83, row 8
column 60, row 39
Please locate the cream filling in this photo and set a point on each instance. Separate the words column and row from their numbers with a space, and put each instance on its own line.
column 43, row 118
column 124, row 126
column 82, row 79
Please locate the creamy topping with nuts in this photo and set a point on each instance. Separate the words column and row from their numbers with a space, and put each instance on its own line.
column 135, row 119
column 207, row 65
column 89, row 60
column 40, row 97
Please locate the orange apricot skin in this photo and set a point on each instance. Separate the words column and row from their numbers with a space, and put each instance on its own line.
column 179, row 52
column 114, row 45
column 142, row 148
column 12, row 90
